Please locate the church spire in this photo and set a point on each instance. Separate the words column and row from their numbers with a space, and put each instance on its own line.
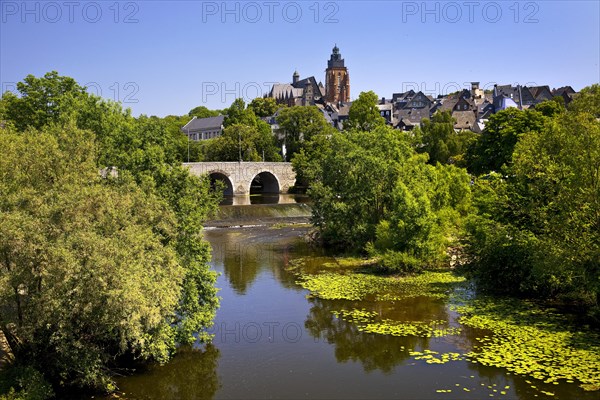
column 336, row 59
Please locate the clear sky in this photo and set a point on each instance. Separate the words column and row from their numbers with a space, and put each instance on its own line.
column 166, row 57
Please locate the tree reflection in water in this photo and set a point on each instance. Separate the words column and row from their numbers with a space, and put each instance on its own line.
column 245, row 253
column 191, row 374
column 374, row 351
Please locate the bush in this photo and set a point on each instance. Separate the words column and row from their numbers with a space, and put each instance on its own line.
column 24, row 383
column 399, row 262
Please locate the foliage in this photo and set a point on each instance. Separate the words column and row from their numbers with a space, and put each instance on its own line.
column 202, row 112
column 353, row 182
column 172, row 125
column 357, row 286
column 245, row 138
column 587, row 101
column 382, row 197
column 437, row 138
column 551, row 108
column 536, row 229
column 87, row 271
column 23, row 383
column 298, row 125
column 43, row 100
column 238, row 113
column 364, row 114
column 264, row 106
column 98, row 268
column 528, row 340
column 243, row 143
column 495, row 145
column 517, row 335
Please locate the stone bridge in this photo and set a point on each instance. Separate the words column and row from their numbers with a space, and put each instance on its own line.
column 244, row 177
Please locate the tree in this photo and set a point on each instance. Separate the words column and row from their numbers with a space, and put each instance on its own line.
column 90, row 269
column 371, row 192
column 264, row 106
column 237, row 113
column 145, row 152
column 202, row 112
column 587, row 100
column 43, row 100
column 364, row 113
column 494, row 148
column 245, row 138
column 536, row 230
column 243, row 143
column 550, row 108
column 437, row 138
column 298, row 125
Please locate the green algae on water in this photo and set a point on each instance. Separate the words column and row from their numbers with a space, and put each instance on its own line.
column 527, row 340
column 357, row 286
column 366, row 321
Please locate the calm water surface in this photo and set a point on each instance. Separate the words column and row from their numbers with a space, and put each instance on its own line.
column 271, row 341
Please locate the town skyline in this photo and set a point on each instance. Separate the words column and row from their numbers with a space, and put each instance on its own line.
column 207, row 54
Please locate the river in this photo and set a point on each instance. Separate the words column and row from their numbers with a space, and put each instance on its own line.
column 271, row 340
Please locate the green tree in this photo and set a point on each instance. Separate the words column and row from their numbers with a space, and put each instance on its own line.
column 264, row 106
column 43, row 100
column 372, row 192
column 536, row 231
column 238, row 113
column 550, row 108
column 90, row 267
column 437, row 137
column 495, row 145
column 243, row 143
column 245, row 138
column 202, row 112
column 300, row 124
column 364, row 114
column 146, row 153
column 587, row 100
column 173, row 125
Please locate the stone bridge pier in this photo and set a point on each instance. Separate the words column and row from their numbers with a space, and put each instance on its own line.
column 241, row 177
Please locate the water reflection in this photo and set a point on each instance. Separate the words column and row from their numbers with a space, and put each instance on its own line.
column 244, row 253
column 264, row 198
column 191, row 374
column 374, row 352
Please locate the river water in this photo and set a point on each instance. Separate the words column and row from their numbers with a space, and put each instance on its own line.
column 272, row 341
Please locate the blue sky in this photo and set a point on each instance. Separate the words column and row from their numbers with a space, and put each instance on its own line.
column 162, row 58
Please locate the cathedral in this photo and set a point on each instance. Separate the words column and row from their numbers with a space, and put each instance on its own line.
column 303, row 92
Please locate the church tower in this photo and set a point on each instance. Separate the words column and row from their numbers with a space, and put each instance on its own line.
column 337, row 79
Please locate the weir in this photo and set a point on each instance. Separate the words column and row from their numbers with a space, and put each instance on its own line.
column 260, row 214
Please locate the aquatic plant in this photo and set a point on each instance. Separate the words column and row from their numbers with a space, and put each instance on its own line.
column 366, row 321
column 527, row 340
column 358, row 286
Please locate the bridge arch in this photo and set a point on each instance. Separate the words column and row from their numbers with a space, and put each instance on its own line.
column 264, row 182
column 221, row 176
